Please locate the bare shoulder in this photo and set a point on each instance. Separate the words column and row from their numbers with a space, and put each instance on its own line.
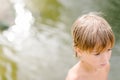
column 71, row 75
column 74, row 73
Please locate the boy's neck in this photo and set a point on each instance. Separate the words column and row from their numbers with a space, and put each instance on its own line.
column 87, row 67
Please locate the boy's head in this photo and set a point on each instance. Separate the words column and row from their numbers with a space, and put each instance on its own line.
column 92, row 32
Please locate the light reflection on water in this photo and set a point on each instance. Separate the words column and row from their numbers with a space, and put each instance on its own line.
column 21, row 29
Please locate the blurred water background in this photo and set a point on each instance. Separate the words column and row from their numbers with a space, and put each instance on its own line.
column 35, row 37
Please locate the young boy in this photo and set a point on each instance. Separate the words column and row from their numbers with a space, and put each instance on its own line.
column 93, row 40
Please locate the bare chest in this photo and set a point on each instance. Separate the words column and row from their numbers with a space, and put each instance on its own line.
column 100, row 76
column 95, row 78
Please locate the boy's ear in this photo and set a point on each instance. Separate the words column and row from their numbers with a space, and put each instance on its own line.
column 78, row 51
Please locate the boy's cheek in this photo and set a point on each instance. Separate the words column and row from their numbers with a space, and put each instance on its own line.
column 109, row 56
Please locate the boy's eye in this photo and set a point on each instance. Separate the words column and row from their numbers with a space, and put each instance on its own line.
column 97, row 54
column 109, row 49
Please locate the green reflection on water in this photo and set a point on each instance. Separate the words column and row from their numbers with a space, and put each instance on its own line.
column 46, row 10
column 3, row 26
column 8, row 68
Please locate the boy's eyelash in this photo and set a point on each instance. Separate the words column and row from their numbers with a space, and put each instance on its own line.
column 109, row 49
column 97, row 54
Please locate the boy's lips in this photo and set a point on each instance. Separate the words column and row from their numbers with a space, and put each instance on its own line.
column 103, row 64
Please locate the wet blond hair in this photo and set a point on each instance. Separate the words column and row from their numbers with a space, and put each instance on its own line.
column 90, row 32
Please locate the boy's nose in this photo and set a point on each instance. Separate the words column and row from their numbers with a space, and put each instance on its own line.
column 104, row 58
